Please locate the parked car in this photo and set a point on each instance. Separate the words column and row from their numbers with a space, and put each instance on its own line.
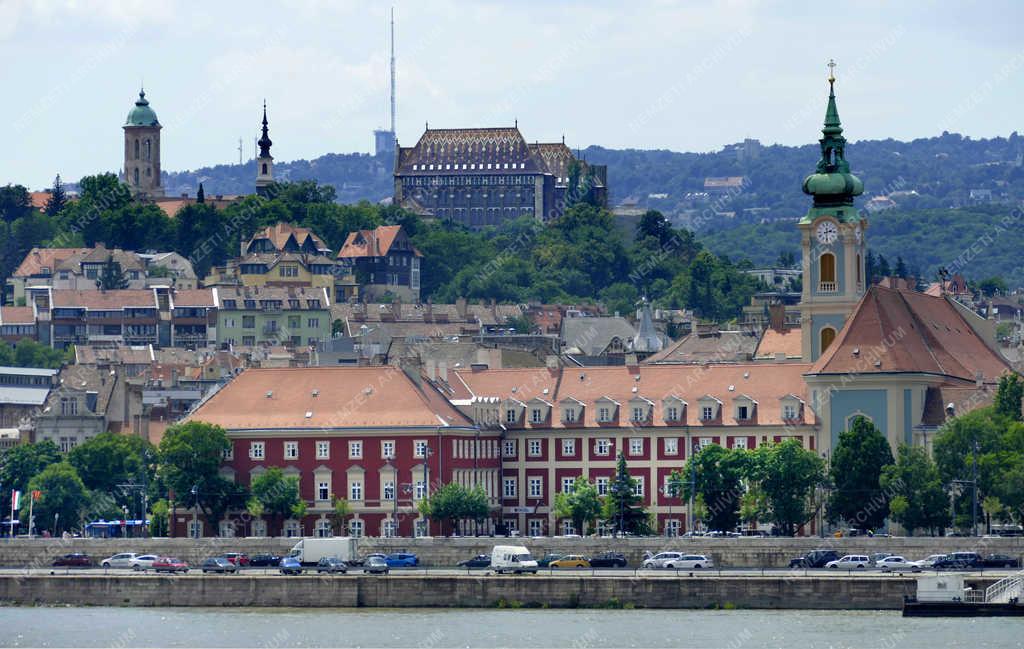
column 219, row 565
column 930, row 560
column 240, row 559
column 479, row 561
column 264, row 560
column 679, row 560
column 546, row 560
column 609, row 560
column 878, row 556
column 375, row 565
column 290, row 566
column 814, row 559
column 144, row 562
column 850, row 562
column 1001, row 561
column 570, row 561
column 402, row 560
column 512, row 558
column 331, row 565
column 74, row 560
column 898, row 564
column 170, row 565
column 120, row 560
column 959, row 561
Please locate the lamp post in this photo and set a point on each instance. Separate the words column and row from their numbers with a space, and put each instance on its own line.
column 974, row 491
column 693, row 484
column 406, row 489
column 195, row 508
column 427, row 452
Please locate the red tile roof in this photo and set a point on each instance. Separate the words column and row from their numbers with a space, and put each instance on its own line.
column 279, row 233
column 37, row 258
column 773, row 342
column 194, row 297
column 898, row 330
column 16, row 315
column 767, row 384
column 348, row 397
column 372, row 243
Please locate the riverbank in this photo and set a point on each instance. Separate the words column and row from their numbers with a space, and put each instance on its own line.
column 483, row 591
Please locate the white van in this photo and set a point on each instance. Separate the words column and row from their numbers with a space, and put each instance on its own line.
column 512, row 558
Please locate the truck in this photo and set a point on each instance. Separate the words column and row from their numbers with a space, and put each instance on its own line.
column 310, row 550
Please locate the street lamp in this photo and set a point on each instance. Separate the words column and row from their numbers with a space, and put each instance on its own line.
column 195, row 508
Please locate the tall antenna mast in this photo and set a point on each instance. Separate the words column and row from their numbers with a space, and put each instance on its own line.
column 393, row 71
column 239, row 150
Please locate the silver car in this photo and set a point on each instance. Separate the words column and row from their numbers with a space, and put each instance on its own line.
column 122, row 560
column 898, row 564
column 679, row 560
column 144, row 562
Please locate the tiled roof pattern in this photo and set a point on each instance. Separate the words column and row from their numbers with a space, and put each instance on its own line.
column 104, row 300
column 774, row 342
column 16, row 315
column 372, row 243
column 38, row 258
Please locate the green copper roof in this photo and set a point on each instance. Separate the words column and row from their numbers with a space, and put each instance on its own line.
column 832, row 184
column 142, row 114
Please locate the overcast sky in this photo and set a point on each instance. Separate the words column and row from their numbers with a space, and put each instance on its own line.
column 687, row 76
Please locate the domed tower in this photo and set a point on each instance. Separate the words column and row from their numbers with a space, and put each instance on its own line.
column 142, row 150
column 264, row 163
column 832, row 239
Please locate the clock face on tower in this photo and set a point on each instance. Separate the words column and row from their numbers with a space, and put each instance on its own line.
column 827, row 232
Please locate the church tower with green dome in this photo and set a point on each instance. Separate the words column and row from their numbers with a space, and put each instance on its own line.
column 832, row 240
column 142, row 150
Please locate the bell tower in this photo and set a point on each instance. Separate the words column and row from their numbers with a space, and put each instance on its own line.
column 832, row 239
column 142, row 150
column 264, row 163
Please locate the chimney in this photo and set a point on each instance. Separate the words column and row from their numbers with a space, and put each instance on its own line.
column 460, row 307
column 780, row 356
column 777, row 317
column 478, row 367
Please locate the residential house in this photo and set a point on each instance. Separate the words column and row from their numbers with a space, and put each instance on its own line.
column 385, row 263
column 17, row 322
column 251, row 316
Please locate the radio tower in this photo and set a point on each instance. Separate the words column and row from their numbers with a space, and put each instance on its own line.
column 385, row 140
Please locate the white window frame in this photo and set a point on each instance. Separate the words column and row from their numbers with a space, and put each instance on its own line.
column 569, row 446
column 322, row 529
column 638, row 486
column 603, row 446
column 707, row 413
column 257, row 451
column 511, row 416
column 639, row 413
column 323, row 449
column 671, row 445
column 568, row 485
column 419, row 448
column 323, row 490
column 355, row 490
column 740, row 442
column 387, row 448
column 535, row 448
column 536, row 486
column 602, row 484
column 535, row 525
column 355, row 449
column 509, row 448
column 510, row 488
column 229, row 452
column 291, row 450
column 604, row 414
column 356, row 528
column 636, row 446
column 536, row 416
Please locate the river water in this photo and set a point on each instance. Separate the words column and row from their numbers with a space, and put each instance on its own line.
column 117, row 628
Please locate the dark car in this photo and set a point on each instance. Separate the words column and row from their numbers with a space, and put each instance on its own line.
column 1001, row 561
column 264, row 560
column 608, row 560
column 546, row 560
column 74, row 560
column 331, row 565
column 402, row 560
column 479, row 561
column 959, row 561
column 218, row 564
column 375, row 565
column 240, row 559
column 814, row 559
column 290, row 566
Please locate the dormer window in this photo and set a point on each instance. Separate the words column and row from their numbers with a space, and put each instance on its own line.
column 569, row 415
column 707, row 413
column 640, row 409
column 604, row 414
column 743, row 408
column 672, row 409
column 710, row 408
column 607, row 410
column 792, row 407
column 536, row 416
column 511, row 416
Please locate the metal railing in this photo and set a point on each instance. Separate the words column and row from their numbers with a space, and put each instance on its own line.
column 1005, row 589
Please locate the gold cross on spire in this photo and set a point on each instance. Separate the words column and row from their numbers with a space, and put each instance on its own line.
column 831, row 71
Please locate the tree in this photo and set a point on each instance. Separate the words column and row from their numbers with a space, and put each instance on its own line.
column 340, row 511
column 111, row 276
column 159, row 518
column 992, row 508
column 753, row 505
column 15, row 202
column 19, row 464
column 108, row 460
column 1008, row 396
column 29, row 353
column 992, row 286
column 447, row 504
column 654, row 224
column 857, row 463
column 190, row 457
column 58, row 198
column 278, row 493
column 254, row 507
column 901, row 268
column 787, row 474
column 719, row 474
column 917, row 498
column 582, row 504
column 623, row 507
column 62, row 492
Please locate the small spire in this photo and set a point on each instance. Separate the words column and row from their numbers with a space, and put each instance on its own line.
column 832, row 125
column 264, row 141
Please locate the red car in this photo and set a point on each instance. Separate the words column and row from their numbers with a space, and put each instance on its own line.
column 169, row 564
column 240, row 559
column 75, row 560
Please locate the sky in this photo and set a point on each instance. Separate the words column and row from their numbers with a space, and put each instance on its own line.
column 656, row 74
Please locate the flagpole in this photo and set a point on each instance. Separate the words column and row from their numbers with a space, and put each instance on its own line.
column 14, row 499
column 31, row 501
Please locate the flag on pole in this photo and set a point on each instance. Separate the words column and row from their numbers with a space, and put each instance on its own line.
column 15, row 499
column 36, row 495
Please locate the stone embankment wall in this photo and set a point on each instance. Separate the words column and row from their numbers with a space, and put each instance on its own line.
column 825, row 592
column 746, row 552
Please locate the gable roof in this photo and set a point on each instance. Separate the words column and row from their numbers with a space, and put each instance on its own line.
column 374, row 243
column 38, row 258
column 774, row 342
column 591, row 336
column 908, row 331
column 104, row 300
column 11, row 315
column 280, row 232
column 348, row 397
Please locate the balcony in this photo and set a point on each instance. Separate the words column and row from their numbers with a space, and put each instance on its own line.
column 827, row 287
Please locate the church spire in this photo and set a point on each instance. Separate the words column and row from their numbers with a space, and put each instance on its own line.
column 264, row 140
column 832, row 184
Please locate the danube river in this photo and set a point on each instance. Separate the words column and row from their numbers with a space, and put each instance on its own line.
column 116, row 628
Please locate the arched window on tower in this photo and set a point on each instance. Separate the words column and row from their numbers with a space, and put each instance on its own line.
column 135, row 177
column 147, row 150
column 827, row 273
column 828, row 334
column 264, row 172
column 136, row 149
column 860, row 280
